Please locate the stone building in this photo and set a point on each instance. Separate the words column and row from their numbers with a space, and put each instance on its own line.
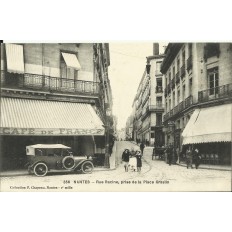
column 198, row 91
column 148, row 105
column 54, row 93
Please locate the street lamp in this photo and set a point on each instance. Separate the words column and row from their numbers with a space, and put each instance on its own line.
column 107, row 154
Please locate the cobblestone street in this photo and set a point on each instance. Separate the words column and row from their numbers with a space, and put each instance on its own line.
column 156, row 175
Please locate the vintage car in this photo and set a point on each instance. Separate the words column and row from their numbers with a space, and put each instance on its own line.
column 43, row 158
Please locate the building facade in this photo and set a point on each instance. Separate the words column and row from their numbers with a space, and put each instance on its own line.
column 54, row 93
column 198, row 77
column 148, row 105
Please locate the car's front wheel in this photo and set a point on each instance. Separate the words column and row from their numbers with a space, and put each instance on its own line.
column 40, row 169
column 87, row 167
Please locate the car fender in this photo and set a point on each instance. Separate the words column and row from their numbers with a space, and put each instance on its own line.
column 32, row 165
column 81, row 162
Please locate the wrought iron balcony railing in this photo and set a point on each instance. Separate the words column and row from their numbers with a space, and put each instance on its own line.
column 224, row 91
column 48, row 83
column 180, row 107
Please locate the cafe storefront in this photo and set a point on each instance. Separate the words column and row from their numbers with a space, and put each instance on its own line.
column 26, row 122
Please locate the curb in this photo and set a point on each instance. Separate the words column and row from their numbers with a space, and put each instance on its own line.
column 218, row 169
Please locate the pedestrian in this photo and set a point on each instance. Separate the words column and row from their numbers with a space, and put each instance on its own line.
column 142, row 147
column 189, row 157
column 125, row 159
column 133, row 160
column 169, row 155
column 139, row 161
column 197, row 158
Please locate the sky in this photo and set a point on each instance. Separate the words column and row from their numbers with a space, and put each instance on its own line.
column 127, row 65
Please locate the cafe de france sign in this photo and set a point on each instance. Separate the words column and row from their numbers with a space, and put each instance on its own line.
column 51, row 132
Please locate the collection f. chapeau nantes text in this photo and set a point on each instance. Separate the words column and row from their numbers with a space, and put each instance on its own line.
column 100, row 182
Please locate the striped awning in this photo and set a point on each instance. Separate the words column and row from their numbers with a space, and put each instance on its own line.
column 14, row 58
column 71, row 60
column 207, row 125
column 48, row 118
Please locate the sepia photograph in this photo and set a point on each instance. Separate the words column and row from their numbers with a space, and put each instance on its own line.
column 116, row 116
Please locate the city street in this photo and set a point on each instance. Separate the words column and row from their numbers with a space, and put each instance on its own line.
column 156, row 175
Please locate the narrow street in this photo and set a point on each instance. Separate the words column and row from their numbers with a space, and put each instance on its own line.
column 156, row 175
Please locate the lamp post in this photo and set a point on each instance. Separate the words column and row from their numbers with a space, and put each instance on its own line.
column 107, row 155
column 171, row 125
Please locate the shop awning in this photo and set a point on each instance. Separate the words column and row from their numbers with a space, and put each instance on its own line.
column 211, row 124
column 71, row 61
column 14, row 58
column 48, row 118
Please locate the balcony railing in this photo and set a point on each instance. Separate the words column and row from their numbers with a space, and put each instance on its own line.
column 47, row 83
column 180, row 107
column 159, row 89
column 188, row 101
column 224, row 91
column 189, row 62
column 182, row 71
column 156, row 107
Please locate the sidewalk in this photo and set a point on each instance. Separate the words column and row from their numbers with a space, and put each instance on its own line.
column 202, row 166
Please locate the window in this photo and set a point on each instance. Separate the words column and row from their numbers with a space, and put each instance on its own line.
column 213, row 81
column 66, row 72
column 173, row 71
column 178, row 96
column 170, row 77
column 183, row 57
column 159, row 86
column 158, row 65
column 178, row 65
column 169, row 104
column 174, row 99
column 158, row 119
column 159, row 101
column 190, row 49
column 190, row 86
column 183, row 93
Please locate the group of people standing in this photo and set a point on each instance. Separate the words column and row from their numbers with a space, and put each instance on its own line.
column 192, row 156
column 132, row 159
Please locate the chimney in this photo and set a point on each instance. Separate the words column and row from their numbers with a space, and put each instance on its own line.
column 155, row 49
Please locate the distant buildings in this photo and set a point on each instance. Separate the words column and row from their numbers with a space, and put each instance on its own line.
column 54, row 93
column 148, row 105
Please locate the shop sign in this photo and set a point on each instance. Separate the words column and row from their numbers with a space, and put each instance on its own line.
column 50, row 132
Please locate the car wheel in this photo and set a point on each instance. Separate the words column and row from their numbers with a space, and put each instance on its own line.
column 40, row 169
column 87, row 167
column 68, row 162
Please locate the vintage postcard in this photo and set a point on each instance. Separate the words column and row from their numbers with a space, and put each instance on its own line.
column 115, row 116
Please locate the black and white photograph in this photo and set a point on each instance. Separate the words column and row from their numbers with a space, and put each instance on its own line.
column 116, row 116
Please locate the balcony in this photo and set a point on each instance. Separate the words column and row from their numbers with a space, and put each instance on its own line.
column 179, row 108
column 177, row 77
column 46, row 83
column 182, row 71
column 155, row 108
column 159, row 89
column 189, row 62
column 220, row 92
